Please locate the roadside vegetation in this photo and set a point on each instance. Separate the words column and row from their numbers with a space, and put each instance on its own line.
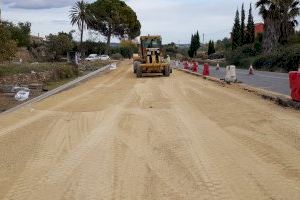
column 277, row 48
column 95, row 17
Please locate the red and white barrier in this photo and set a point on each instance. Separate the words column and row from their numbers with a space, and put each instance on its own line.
column 205, row 70
column 251, row 70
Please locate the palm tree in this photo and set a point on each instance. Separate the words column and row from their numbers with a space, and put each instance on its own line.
column 79, row 14
column 289, row 10
column 280, row 21
column 270, row 11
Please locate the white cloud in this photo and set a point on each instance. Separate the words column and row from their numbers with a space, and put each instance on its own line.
column 38, row 4
column 175, row 20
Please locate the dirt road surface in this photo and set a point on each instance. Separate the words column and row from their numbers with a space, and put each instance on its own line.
column 122, row 138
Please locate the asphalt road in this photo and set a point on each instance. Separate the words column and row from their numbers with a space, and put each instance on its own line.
column 272, row 81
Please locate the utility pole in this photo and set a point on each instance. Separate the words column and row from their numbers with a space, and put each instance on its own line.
column 0, row 17
column 0, row 12
column 203, row 38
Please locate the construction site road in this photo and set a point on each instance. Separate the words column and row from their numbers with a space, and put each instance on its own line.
column 122, row 138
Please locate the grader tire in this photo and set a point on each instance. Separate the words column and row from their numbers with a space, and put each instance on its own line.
column 139, row 71
column 135, row 64
column 166, row 72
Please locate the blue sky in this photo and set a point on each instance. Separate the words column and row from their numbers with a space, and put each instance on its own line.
column 175, row 20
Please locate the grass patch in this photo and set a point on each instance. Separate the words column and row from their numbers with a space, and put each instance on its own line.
column 11, row 69
column 55, row 84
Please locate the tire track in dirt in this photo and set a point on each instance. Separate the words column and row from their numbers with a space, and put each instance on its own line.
column 118, row 137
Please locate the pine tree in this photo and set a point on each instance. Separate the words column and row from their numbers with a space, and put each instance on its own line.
column 236, row 31
column 250, row 34
column 243, row 40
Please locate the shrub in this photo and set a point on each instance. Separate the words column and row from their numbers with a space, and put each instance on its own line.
column 116, row 56
column 243, row 56
column 62, row 70
column 126, row 52
column 214, row 56
column 65, row 71
column 284, row 59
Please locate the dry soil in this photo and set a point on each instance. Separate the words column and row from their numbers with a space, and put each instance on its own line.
column 122, row 138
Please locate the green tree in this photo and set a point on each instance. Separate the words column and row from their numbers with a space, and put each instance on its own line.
column 20, row 33
column 280, row 21
column 8, row 47
column 114, row 18
column 195, row 45
column 192, row 47
column 211, row 47
column 223, row 45
column 59, row 45
column 236, row 31
column 79, row 15
column 250, row 34
column 270, row 12
column 128, row 48
column 197, row 41
column 243, row 38
column 290, row 10
column 92, row 47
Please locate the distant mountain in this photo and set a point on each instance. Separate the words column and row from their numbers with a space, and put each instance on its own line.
column 183, row 46
column 114, row 44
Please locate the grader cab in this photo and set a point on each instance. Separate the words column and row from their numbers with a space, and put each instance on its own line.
column 150, row 58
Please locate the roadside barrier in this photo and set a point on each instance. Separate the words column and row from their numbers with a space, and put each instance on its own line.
column 185, row 65
column 251, row 70
column 195, row 67
column 295, row 85
column 205, row 70
column 231, row 74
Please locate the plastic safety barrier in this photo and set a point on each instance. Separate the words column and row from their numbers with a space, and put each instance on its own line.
column 231, row 74
column 205, row 70
column 295, row 85
column 195, row 67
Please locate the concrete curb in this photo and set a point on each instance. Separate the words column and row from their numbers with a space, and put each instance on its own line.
column 280, row 99
column 60, row 89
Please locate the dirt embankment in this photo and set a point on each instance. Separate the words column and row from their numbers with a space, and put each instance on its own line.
column 118, row 137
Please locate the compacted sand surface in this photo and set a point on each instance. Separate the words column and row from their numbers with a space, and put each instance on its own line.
column 119, row 137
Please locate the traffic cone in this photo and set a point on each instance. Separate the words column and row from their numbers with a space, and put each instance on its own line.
column 251, row 70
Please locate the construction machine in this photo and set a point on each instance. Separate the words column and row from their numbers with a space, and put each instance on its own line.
column 150, row 58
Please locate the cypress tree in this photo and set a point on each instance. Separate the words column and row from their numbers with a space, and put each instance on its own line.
column 243, row 39
column 236, row 31
column 195, row 45
column 197, row 41
column 250, row 36
column 191, row 51
column 211, row 47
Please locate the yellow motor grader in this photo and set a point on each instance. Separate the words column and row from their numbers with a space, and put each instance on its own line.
column 150, row 58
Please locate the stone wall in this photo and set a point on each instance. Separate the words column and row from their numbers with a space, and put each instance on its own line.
column 25, row 79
